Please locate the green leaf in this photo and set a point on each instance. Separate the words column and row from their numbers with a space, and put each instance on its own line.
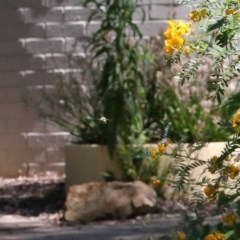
column 218, row 24
column 228, row 234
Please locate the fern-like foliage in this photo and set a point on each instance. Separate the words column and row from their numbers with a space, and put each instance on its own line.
column 189, row 70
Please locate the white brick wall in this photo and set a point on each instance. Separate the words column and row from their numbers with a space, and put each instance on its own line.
column 35, row 38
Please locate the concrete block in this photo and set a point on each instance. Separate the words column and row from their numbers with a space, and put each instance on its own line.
column 21, row 63
column 34, row 78
column 78, row 13
column 18, row 126
column 182, row 12
column 46, row 140
column 159, row 2
column 11, row 79
column 10, row 95
column 37, row 15
column 73, row 29
column 13, row 142
column 12, row 47
column 9, row 170
column 15, row 110
column 42, row 45
column 22, row 31
column 54, row 61
column 160, row 12
column 53, row 3
column 152, row 28
column 91, row 28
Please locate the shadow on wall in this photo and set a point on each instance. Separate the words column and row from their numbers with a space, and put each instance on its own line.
column 35, row 40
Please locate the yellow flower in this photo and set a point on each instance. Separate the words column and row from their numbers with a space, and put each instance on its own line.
column 229, row 11
column 203, row 13
column 176, row 42
column 194, row 16
column 210, row 191
column 232, row 171
column 212, row 168
column 187, row 50
column 174, row 36
column 219, row 236
column 168, row 50
column 180, row 236
column 183, row 28
column 213, row 159
column 161, row 147
column 155, row 182
column 197, row 15
column 229, row 219
column 236, row 121
column 154, row 153
column 210, row 237
column 215, row 236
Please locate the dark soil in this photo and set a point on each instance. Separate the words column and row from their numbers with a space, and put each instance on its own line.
column 31, row 196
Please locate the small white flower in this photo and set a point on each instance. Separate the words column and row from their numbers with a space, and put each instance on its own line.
column 103, row 119
column 61, row 101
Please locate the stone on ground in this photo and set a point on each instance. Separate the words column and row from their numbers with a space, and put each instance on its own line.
column 99, row 200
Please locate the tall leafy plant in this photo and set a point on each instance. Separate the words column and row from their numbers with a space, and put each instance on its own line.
column 121, row 85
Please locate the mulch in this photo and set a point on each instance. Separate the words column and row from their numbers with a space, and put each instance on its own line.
column 44, row 194
column 33, row 195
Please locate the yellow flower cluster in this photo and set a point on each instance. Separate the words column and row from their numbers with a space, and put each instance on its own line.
column 154, row 153
column 229, row 219
column 162, row 147
column 215, row 236
column 213, row 167
column 198, row 15
column 236, row 121
column 230, row 11
column 232, row 171
column 210, row 191
column 155, row 182
column 175, row 36
column 180, row 236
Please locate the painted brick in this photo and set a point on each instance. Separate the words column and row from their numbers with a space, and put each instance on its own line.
column 73, row 29
column 15, row 110
column 182, row 12
column 22, row 31
column 20, row 63
column 77, row 13
column 72, row 45
column 2, row 128
column 53, row 3
column 17, row 126
column 33, row 78
column 141, row 12
column 12, row 47
column 45, row 140
column 91, row 28
column 55, row 155
column 43, row 45
column 152, row 28
column 10, row 79
column 33, row 15
column 11, row 170
column 54, row 61
column 13, row 142
column 160, row 12
column 24, row 3
column 154, row 2
column 8, row 95
column 9, row 17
